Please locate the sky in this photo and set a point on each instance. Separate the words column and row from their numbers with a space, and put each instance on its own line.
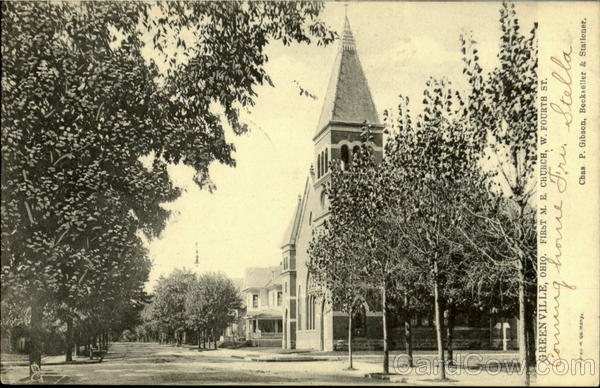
column 400, row 45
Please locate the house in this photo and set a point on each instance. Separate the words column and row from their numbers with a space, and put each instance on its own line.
column 263, row 297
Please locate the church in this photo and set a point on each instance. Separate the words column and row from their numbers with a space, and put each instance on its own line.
column 309, row 322
column 348, row 104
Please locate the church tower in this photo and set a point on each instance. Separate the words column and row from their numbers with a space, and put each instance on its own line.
column 348, row 106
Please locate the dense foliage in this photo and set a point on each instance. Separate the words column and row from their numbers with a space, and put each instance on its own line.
column 98, row 98
column 447, row 219
column 184, row 305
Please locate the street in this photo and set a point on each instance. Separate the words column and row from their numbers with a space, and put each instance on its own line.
column 150, row 363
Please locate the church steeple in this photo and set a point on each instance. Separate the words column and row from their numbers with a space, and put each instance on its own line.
column 347, row 107
column 348, row 98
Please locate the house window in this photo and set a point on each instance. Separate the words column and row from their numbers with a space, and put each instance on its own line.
column 255, row 301
column 279, row 299
column 285, row 287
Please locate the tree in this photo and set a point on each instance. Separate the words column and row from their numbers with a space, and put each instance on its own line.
column 212, row 303
column 368, row 194
column 169, row 303
column 84, row 104
column 434, row 167
column 335, row 271
column 502, row 108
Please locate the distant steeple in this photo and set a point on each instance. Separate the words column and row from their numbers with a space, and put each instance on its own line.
column 197, row 257
column 348, row 98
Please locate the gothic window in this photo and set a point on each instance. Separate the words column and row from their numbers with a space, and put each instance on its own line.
column 310, row 304
column 319, row 166
column 326, row 160
column 345, row 156
column 299, row 308
column 355, row 151
column 313, row 304
column 308, row 313
column 322, row 164
column 359, row 322
column 323, row 198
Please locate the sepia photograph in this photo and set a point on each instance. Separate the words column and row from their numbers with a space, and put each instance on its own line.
column 300, row 192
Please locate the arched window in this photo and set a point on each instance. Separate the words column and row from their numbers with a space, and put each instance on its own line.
column 345, row 156
column 359, row 322
column 326, row 160
column 310, row 303
column 312, row 312
column 319, row 166
column 355, row 151
column 299, row 307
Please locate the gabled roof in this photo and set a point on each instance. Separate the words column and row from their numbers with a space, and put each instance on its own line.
column 289, row 238
column 261, row 277
column 238, row 283
column 348, row 98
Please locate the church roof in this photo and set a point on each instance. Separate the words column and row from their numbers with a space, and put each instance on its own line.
column 289, row 238
column 348, row 98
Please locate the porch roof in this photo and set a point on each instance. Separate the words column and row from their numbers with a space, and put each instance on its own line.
column 264, row 314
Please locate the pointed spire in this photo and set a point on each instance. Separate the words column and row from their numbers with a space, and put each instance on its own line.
column 347, row 37
column 348, row 98
column 197, row 257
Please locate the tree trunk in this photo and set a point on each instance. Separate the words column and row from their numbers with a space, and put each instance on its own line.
column 386, row 352
column 450, row 334
column 77, row 345
column 199, row 339
column 214, row 338
column 350, row 366
column 438, row 321
column 523, row 353
column 408, row 332
column 69, row 337
column 35, row 338
column 91, row 340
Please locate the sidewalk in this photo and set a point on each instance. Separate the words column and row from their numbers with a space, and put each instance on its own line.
column 277, row 355
column 14, row 368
